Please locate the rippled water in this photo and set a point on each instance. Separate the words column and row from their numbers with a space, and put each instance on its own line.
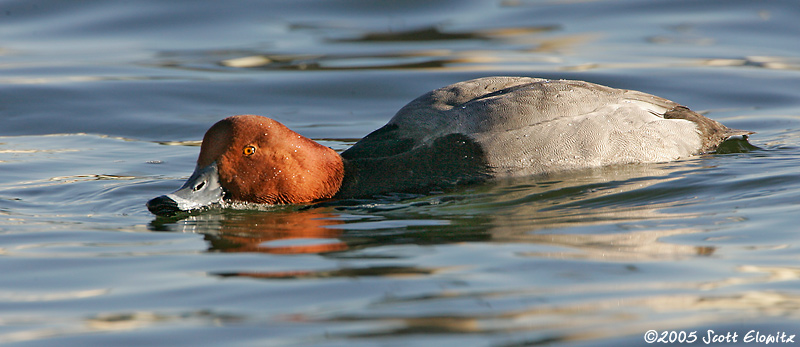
column 102, row 104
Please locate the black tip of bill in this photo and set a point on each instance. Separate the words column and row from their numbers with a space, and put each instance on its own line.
column 202, row 189
column 163, row 206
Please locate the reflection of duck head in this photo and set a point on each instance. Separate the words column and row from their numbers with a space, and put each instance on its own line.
column 278, row 231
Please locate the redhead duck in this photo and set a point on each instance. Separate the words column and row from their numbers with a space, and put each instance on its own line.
column 471, row 131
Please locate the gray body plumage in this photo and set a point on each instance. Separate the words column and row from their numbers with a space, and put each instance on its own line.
column 517, row 126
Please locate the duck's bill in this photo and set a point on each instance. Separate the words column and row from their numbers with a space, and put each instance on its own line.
column 202, row 189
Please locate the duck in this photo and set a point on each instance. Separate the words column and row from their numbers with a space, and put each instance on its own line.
column 473, row 131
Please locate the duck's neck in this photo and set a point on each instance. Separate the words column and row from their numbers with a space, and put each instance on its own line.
column 320, row 175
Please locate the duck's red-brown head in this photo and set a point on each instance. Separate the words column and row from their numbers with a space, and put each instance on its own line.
column 255, row 159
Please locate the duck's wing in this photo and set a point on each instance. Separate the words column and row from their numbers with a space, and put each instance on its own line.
column 435, row 114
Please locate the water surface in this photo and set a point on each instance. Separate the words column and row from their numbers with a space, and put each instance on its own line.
column 103, row 104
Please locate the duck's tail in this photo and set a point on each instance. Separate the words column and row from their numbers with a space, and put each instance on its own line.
column 716, row 138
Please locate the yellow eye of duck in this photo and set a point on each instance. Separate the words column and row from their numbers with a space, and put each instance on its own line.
column 249, row 150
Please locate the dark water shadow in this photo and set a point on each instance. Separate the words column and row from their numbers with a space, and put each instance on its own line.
column 437, row 34
column 373, row 54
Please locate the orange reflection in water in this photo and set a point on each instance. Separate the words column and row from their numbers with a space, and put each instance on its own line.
column 277, row 232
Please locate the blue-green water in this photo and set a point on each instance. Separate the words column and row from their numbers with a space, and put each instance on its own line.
column 102, row 104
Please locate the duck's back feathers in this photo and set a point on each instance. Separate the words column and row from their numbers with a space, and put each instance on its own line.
column 520, row 126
